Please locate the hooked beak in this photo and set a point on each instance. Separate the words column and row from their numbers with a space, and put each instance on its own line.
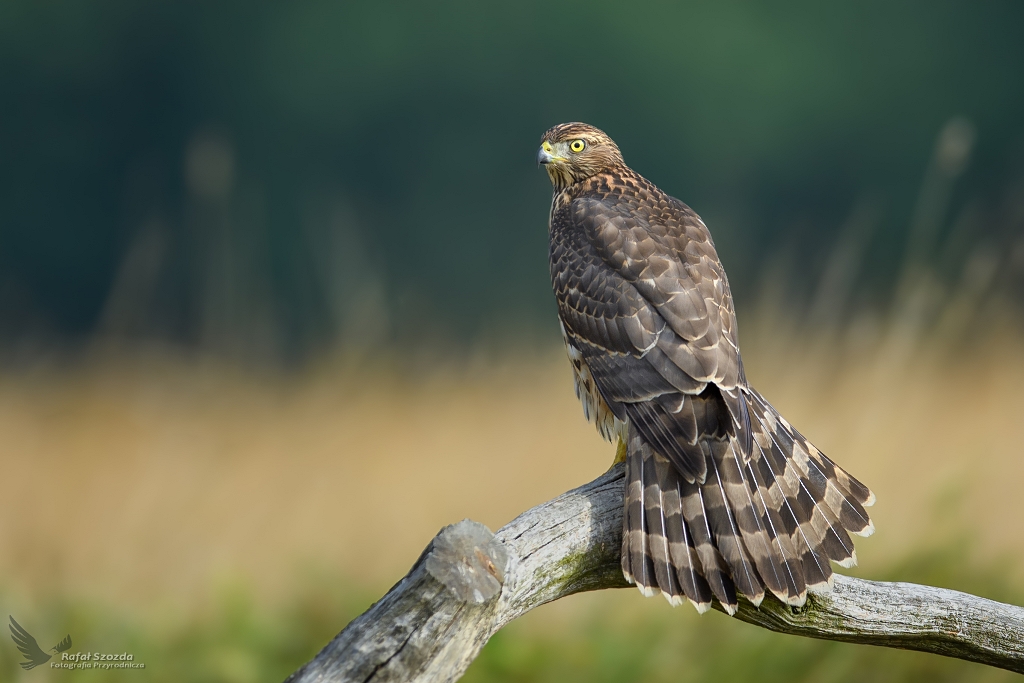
column 545, row 155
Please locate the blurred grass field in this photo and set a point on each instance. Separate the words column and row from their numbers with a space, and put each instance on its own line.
column 223, row 525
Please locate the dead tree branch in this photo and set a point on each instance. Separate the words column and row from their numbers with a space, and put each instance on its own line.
column 469, row 583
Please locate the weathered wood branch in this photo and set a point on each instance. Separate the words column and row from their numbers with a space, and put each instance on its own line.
column 467, row 584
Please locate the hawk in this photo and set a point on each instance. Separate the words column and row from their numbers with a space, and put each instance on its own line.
column 723, row 496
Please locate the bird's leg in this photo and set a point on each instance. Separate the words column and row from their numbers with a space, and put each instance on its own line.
column 620, row 453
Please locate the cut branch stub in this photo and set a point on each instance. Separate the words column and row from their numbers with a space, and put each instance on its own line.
column 469, row 560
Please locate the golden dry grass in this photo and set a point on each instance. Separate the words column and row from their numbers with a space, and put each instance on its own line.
column 137, row 479
column 144, row 480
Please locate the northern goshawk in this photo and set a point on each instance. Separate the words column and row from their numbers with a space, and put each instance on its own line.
column 723, row 496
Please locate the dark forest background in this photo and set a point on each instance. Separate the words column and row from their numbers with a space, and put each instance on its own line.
column 269, row 179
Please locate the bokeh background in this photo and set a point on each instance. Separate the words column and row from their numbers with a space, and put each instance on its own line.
column 274, row 306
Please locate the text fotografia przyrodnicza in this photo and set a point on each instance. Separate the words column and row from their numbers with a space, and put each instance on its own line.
column 97, row 660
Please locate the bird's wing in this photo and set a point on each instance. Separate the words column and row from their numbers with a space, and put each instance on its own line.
column 645, row 301
column 597, row 304
column 662, row 249
column 27, row 645
column 617, row 332
column 64, row 645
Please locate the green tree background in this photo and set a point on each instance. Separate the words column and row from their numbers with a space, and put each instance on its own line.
column 266, row 164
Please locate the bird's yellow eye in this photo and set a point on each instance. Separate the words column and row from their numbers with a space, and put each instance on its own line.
column 577, row 146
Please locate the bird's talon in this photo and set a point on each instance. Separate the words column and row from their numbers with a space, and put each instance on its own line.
column 620, row 453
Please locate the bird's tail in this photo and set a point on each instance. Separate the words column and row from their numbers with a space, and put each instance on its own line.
column 771, row 519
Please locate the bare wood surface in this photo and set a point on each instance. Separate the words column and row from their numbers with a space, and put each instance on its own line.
column 467, row 584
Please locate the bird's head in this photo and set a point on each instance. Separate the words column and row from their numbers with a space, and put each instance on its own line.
column 572, row 152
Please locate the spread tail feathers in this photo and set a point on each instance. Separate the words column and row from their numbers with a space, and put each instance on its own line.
column 770, row 515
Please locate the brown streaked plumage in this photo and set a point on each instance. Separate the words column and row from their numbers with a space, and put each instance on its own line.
column 723, row 496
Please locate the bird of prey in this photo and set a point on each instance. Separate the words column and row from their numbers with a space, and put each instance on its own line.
column 723, row 496
column 28, row 646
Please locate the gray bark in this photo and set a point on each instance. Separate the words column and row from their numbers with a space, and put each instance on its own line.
column 468, row 583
